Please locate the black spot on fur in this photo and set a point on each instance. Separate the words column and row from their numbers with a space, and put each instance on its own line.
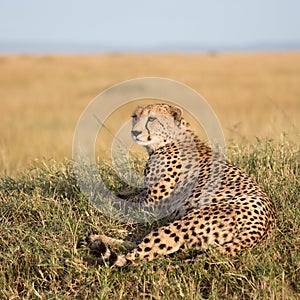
column 113, row 258
column 162, row 246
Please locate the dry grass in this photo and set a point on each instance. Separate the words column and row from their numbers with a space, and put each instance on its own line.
column 42, row 97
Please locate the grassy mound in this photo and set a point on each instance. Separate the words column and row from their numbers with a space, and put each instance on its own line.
column 43, row 215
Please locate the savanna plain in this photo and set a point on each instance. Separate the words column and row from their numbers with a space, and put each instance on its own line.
column 44, row 215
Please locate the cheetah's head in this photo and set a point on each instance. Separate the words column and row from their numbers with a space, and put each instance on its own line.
column 155, row 125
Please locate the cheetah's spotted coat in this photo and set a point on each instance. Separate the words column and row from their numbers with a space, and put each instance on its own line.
column 224, row 208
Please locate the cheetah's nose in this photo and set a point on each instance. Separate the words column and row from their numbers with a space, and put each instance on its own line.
column 135, row 133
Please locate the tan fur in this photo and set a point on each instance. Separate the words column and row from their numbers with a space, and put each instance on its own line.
column 224, row 208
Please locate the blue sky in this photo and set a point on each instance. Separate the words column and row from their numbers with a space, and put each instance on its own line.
column 138, row 24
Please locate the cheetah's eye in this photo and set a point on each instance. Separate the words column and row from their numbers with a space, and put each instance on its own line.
column 134, row 118
column 151, row 119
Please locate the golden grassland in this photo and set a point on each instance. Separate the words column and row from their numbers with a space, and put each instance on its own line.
column 42, row 96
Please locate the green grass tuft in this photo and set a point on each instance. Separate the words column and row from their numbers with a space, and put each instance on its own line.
column 43, row 216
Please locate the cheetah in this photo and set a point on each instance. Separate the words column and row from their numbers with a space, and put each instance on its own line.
column 212, row 203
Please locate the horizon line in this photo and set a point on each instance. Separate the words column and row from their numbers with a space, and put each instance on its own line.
column 34, row 47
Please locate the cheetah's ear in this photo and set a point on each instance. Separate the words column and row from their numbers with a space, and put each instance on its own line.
column 176, row 113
